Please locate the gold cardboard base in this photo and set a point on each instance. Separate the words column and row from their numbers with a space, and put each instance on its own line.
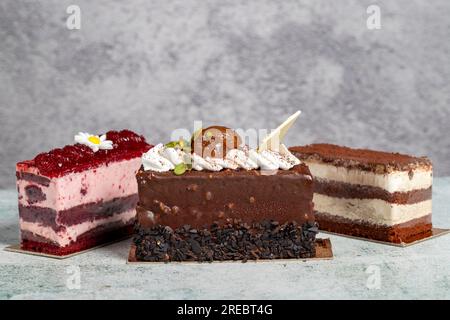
column 16, row 248
column 323, row 252
column 436, row 232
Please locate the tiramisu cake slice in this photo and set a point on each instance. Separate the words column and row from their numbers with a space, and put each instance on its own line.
column 80, row 196
column 364, row 193
column 214, row 199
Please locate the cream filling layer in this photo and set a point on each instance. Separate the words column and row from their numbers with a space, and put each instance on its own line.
column 398, row 181
column 71, row 233
column 374, row 211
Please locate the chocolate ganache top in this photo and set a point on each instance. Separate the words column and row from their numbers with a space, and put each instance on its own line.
column 201, row 197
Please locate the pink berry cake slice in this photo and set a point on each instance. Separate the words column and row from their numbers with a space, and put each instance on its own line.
column 82, row 195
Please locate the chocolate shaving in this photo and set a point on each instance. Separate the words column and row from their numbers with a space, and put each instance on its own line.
column 233, row 240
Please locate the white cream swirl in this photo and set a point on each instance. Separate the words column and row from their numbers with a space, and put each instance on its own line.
column 161, row 158
column 155, row 160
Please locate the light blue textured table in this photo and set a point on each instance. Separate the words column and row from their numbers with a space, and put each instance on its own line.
column 360, row 269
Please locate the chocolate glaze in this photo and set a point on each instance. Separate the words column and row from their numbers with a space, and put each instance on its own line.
column 363, row 159
column 356, row 191
column 404, row 232
column 200, row 198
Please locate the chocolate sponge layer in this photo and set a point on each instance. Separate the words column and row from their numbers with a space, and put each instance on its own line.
column 356, row 191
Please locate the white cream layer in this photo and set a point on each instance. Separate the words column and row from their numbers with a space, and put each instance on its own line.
column 397, row 181
column 374, row 211
column 71, row 233
column 161, row 159
column 104, row 183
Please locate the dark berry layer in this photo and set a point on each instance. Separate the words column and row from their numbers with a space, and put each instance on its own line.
column 78, row 157
column 233, row 240
column 79, row 214
column 43, row 181
column 34, row 194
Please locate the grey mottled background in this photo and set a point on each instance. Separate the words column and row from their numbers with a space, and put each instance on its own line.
column 152, row 66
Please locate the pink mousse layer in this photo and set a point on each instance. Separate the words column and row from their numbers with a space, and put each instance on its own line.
column 103, row 183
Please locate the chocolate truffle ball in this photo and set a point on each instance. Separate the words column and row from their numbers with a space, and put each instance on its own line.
column 215, row 141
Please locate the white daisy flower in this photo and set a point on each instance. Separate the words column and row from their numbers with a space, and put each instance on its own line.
column 93, row 141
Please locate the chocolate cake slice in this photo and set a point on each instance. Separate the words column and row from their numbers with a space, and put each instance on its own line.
column 239, row 204
column 80, row 196
column 371, row 194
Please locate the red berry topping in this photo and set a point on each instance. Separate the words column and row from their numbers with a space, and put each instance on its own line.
column 78, row 157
